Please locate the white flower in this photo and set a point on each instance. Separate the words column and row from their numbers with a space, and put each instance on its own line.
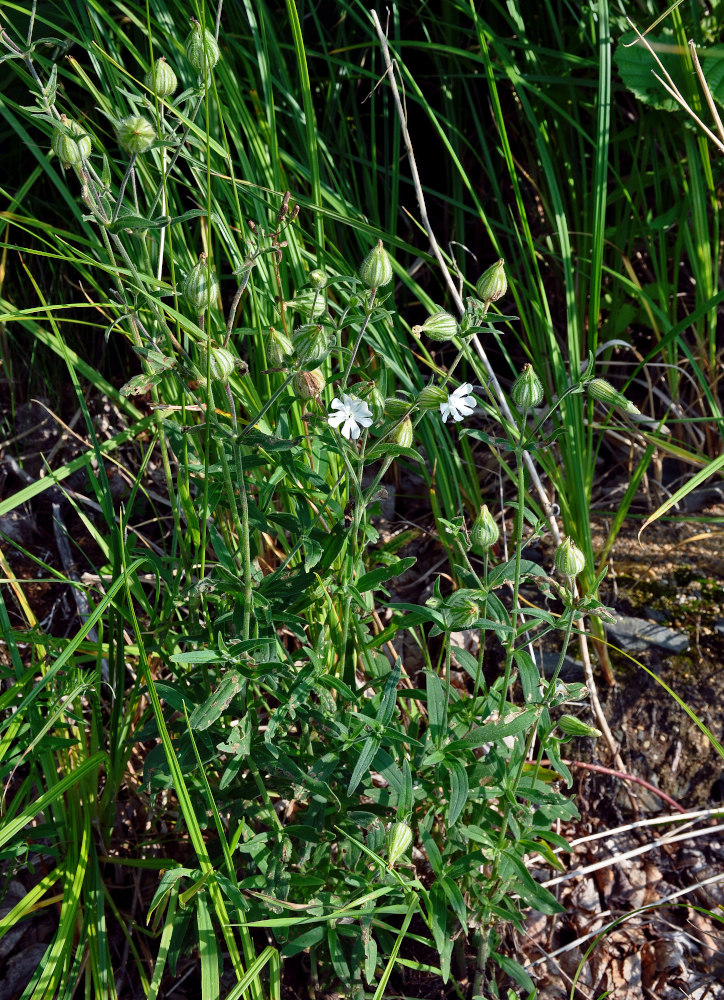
column 460, row 403
column 352, row 413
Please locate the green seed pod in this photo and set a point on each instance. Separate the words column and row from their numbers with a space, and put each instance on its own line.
column 200, row 287
column 399, row 838
column 308, row 385
column 485, row 531
column 312, row 343
column 70, row 143
column 527, row 390
column 431, row 397
column 278, row 348
column 317, row 279
column 493, row 284
column 202, row 49
column 404, row 434
column 376, row 269
column 605, row 393
column 395, row 407
column 161, row 79
column 135, row 134
column 440, row 326
column 221, row 366
column 572, row 726
column 569, row 560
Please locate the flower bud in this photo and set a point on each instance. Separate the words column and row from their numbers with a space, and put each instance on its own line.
column 200, row 286
column 474, row 316
column 202, row 49
column 440, row 326
column 432, row 396
column 376, row 269
column 317, row 279
column 396, row 407
column 485, row 531
column 220, row 366
column 569, row 560
column 404, row 434
column 70, row 143
column 135, row 134
column 161, row 79
column 312, row 343
column 308, row 385
column 375, row 400
column 605, row 393
column 572, row 726
column 493, row 284
column 527, row 390
column 399, row 838
column 278, row 348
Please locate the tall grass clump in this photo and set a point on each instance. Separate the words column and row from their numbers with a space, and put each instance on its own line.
column 308, row 801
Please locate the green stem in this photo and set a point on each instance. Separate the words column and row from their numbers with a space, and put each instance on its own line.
column 244, row 500
column 269, row 403
column 353, row 355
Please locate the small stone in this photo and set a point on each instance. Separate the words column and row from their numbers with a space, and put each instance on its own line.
column 637, row 634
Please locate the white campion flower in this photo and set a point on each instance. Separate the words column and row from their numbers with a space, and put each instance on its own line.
column 351, row 414
column 460, row 403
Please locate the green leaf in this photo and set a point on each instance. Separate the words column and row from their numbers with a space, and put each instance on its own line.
column 435, row 705
column 530, row 891
column 203, row 716
column 371, row 580
column 494, row 731
column 389, row 697
column 459, row 789
column 137, row 222
column 364, row 761
column 637, row 67
column 516, row 972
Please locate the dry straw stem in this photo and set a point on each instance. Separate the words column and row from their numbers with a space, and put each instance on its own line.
column 437, row 253
column 670, row 87
column 495, row 385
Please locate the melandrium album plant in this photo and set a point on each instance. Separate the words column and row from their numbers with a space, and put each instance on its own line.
column 324, row 794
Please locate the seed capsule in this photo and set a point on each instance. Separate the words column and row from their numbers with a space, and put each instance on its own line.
column 376, row 269
column 440, row 326
column 399, row 838
column 395, row 407
column 278, row 348
column 221, row 366
column 485, row 531
column 493, row 284
column 312, row 343
column 305, row 302
column 70, row 143
column 135, row 134
column 161, row 79
column 404, row 434
column 569, row 560
column 202, row 49
column 527, row 390
column 308, row 385
column 431, row 397
column 200, row 287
